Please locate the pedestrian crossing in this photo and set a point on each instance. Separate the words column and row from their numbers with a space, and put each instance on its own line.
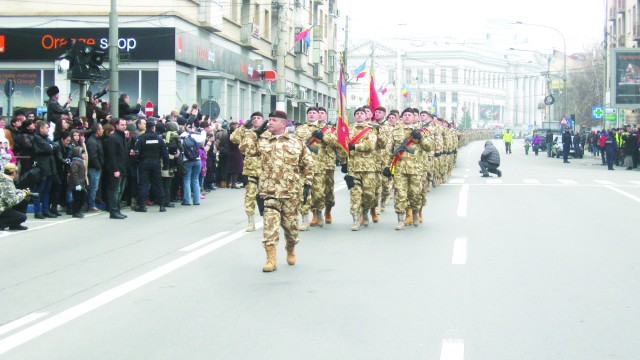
column 559, row 182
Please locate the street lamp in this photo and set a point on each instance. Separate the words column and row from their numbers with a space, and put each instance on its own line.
column 564, row 78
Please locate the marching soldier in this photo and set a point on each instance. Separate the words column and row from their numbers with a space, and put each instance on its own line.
column 251, row 168
column 286, row 165
column 386, row 128
column 328, row 161
column 404, row 150
column 361, row 176
column 312, row 136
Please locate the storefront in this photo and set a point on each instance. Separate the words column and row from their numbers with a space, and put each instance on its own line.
column 165, row 65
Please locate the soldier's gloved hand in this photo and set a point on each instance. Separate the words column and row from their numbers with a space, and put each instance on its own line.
column 386, row 172
column 344, row 168
column 416, row 135
column 79, row 187
column 318, row 134
column 260, row 130
column 305, row 192
column 352, row 147
column 248, row 124
column 27, row 192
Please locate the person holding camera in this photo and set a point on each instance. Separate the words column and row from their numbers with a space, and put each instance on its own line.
column 13, row 202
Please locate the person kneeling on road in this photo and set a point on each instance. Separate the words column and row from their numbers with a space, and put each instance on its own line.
column 13, row 202
column 489, row 160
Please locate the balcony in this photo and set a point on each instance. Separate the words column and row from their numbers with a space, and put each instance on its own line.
column 210, row 15
column 301, row 63
column 318, row 71
column 622, row 6
column 318, row 33
column 249, row 36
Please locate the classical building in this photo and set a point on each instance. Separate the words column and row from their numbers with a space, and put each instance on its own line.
column 177, row 52
column 495, row 88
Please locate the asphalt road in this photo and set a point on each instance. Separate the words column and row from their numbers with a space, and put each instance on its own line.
column 539, row 264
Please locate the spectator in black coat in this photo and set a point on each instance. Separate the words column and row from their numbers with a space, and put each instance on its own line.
column 115, row 167
column 43, row 156
column 566, row 145
column 490, row 160
column 125, row 109
column 95, row 152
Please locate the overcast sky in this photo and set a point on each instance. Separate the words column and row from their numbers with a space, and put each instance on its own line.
column 580, row 21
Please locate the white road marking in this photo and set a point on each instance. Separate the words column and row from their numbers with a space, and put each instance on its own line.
column 108, row 296
column 203, row 241
column 467, row 169
column 20, row 322
column 531, row 181
column 463, row 200
column 46, row 224
column 630, row 196
column 457, row 181
column 567, row 182
column 466, row 176
column 452, row 349
column 494, row 181
column 459, row 251
column 635, row 182
column 604, row 182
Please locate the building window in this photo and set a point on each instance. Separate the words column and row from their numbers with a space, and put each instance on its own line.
column 454, row 76
column 266, row 29
column 443, row 76
column 432, row 76
column 392, row 77
column 407, row 77
column 454, row 97
column 420, row 76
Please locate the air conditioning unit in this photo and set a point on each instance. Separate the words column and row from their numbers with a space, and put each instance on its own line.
column 210, row 15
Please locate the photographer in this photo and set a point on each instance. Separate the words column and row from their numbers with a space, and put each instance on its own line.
column 13, row 202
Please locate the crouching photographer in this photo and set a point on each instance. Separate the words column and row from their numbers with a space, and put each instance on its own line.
column 13, row 202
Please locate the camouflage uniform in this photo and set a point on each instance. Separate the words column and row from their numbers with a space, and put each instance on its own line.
column 286, row 164
column 316, row 197
column 387, row 182
column 251, row 169
column 363, row 168
column 408, row 169
column 328, row 164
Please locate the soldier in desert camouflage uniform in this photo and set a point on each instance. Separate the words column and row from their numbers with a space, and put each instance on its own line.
column 307, row 133
column 381, row 147
column 387, row 182
column 328, row 161
column 404, row 150
column 286, row 165
column 361, row 169
column 251, row 167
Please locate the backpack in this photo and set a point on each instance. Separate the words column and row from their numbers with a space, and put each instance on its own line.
column 191, row 151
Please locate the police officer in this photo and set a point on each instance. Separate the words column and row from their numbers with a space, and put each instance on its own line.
column 149, row 148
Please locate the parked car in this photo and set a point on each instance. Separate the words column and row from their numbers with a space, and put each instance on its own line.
column 557, row 149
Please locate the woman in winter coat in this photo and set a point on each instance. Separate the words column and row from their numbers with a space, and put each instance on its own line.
column 536, row 143
column 78, row 179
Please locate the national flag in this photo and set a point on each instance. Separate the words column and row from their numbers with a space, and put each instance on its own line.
column 342, row 125
column 435, row 104
column 404, row 91
column 362, row 74
column 383, row 89
column 373, row 95
column 360, row 68
column 304, row 34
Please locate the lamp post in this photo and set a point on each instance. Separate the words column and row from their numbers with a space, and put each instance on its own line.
column 564, row 77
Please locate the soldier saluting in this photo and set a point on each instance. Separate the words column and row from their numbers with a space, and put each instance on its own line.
column 286, row 165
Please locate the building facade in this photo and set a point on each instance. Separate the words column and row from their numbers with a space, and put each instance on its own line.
column 176, row 52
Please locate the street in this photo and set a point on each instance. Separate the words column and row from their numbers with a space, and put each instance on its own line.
column 541, row 263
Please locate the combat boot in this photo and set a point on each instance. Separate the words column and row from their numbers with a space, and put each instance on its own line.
column 320, row 221
column 374, row 215
column 304, row 225
column 409, row 218
column 383, row 204
column 416, row 217
column 365, row 217
column 291, row 255
column 327, row 215
column 400, row 224
column 356, row 223
column 251, row 223
column 314, row 219
column 420, row 211
column 271, row 264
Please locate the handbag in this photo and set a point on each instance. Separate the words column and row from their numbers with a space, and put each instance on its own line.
column 30, row 179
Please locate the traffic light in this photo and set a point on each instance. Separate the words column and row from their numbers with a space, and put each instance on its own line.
column 83, row 60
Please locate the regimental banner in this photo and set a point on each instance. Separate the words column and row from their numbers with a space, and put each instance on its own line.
column 625, row 77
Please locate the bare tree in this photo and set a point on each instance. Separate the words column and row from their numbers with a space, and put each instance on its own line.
column 586, row 84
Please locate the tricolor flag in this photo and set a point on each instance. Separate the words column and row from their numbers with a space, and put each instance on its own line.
column 342, row 125
column 404, row 91
column 383, row 89
column 304, row 35
column 362, row 74
column 373, row 95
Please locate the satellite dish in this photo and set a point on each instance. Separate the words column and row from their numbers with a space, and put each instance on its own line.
column 211, row 109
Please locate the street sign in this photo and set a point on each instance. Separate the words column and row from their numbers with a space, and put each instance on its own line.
column 597, row 113
column 611, row 114
column 148, row 109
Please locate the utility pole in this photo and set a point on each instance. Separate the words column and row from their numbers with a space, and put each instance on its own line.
column 114, row 81
column 281, row 52
column 346, row 42
column 606, row 56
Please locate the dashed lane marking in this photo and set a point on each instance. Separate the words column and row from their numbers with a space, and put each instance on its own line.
column 604, row 182
column 452, row 349
column 459, row 251
column 531, row 181
column 567, row 182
